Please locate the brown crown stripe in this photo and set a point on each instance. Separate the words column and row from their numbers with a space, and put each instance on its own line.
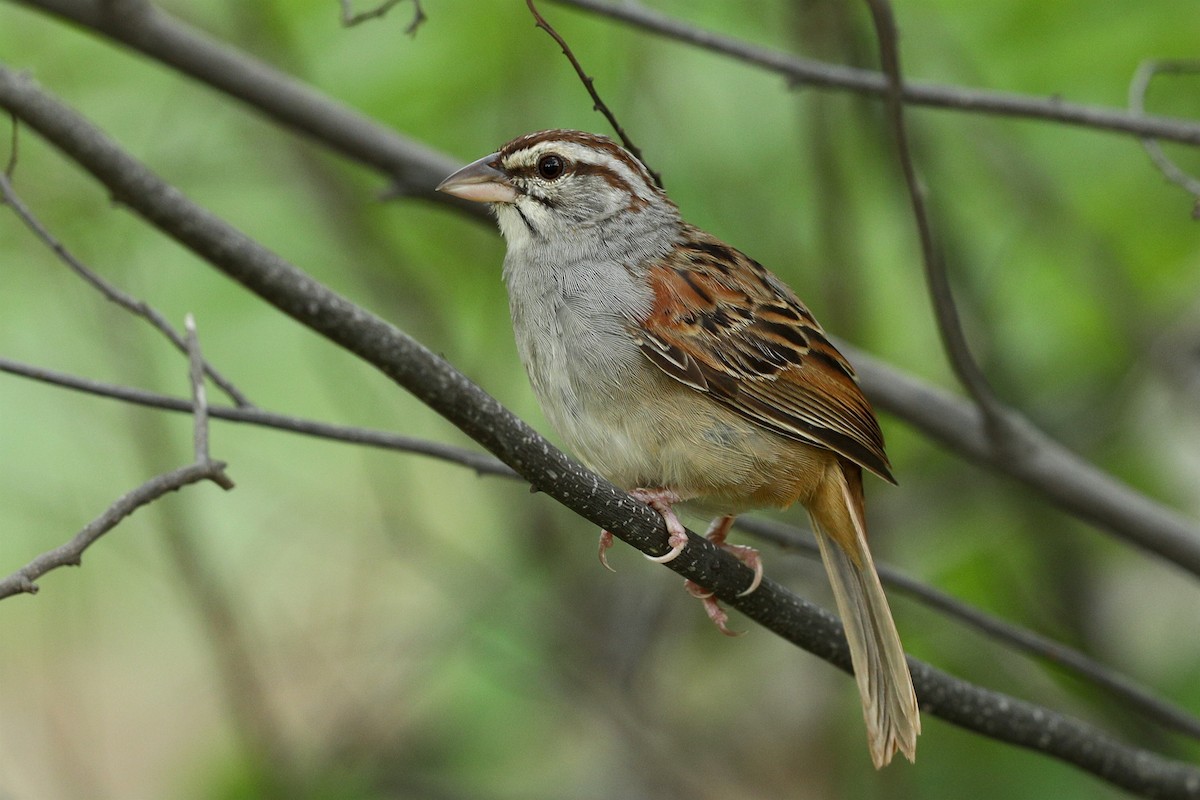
column 592, row 140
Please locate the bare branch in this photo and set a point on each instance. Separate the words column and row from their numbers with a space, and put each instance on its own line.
column 413, row 168
column 200, row 402
column 1138, row 87
column 481, row 463
column 589, row 83
column 783, row 535
column 204, row 468
column 9, row 197
column 821, row 75
column 954, row 340
column 350, row 19
column 71, row 553
column 1037, row 461
column 448, row 392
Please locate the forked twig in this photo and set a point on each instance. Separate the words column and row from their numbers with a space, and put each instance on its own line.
column 589, row 83
column 203, row 468
column 350, row 18
column 139, row 308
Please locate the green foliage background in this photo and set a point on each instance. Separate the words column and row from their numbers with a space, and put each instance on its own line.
column 416, row 631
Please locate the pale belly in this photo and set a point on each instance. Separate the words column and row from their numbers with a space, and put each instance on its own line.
column 639, row 428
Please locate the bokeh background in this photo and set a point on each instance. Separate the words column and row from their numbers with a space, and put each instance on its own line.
column 350, row 623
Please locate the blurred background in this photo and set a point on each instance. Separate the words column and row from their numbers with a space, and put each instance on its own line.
column 351, row 623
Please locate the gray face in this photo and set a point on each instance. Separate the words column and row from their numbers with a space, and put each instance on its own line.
column 565, row 183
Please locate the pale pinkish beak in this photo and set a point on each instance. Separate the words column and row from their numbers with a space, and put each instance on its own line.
column 480, row 181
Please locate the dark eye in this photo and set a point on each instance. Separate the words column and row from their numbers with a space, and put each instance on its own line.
column 550, row 166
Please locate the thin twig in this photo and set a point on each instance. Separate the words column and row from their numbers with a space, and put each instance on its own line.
column 481, row 463
column 350, row 19
column 821, row 75
column 71, row 553
column 589, row 83
column 11, row 165
column 954, row 340
column 200, row 401
column 140, row 308
column 1138, row 87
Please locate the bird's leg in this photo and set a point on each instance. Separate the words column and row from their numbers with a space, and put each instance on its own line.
column 711, row 607
column 717, row 531
column 661, row 500
column 716, row 534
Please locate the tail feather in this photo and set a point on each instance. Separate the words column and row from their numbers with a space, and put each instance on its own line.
column 880, row 668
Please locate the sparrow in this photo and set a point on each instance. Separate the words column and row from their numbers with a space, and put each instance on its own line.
column 683, row 371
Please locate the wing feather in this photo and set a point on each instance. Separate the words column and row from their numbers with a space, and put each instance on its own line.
column 723, row 325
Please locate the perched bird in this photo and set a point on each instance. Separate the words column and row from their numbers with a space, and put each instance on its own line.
column 684, row 371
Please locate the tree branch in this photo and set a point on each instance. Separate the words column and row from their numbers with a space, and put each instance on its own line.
column 413, row 168
column 954, row 340
column 822, row 75
column 204, row 468
column 1006, row 633
column 785, row 536
column 1036, row 460
column 449, row 393
column 481, row 463
column 71, row 553
column 139, row 308
column 350, row 19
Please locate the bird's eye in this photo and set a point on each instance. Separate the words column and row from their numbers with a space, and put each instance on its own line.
column 551, row 166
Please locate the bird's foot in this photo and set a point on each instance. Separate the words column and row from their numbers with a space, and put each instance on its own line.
column 711, row 607
column 717, row 532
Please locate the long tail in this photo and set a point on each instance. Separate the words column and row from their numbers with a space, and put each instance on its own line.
column 889, row 702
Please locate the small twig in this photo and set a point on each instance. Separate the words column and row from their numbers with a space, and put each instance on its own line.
column 481, row 463
column 589, row 83
column 200, row 401
column 350, row 19
column 1138, row 87
column 11, row 165
column 9, row 197
column 954, row 340
column 71, row 553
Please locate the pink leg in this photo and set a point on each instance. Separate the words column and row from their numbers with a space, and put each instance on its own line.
column 717, row 531
column 716, row 534
column 711, row 607
column 661, row 500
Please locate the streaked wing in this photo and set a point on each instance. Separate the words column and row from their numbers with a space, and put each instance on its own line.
column 724, row 325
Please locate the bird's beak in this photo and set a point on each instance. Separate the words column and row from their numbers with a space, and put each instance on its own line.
column 480, row 181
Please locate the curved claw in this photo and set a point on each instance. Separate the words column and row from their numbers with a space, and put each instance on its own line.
column 661, row 500
column 677, row 546
column 717, row 531
column 749, row 556
column 606, row 540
